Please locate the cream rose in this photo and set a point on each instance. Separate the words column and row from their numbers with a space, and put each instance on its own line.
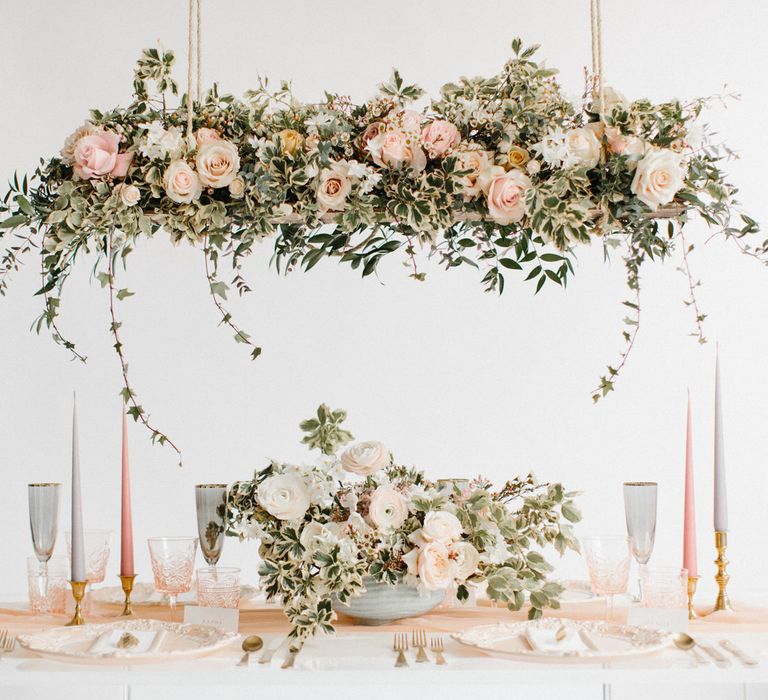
column 365, row 458
column 433, row 565
column 475, row 161
column 284, row 496
column 583, row 147
column 439, row 137
column 506, row 197
column 333, row 187
column 658, row 178
column 290, row 141
column 205, row 135
column 181, row 183
column 388, row 509
column 441, row 526
column 237, row 188
column 466, row 558
column 217, row 163
column 129, row 194
column 397, row 149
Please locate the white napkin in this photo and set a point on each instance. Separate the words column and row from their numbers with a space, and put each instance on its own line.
column 545, row 641
column 106, row 643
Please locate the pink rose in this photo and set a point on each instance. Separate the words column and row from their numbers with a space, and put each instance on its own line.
column 397, row 149
column 95, row 155
column 433, row 564
column 506, row 197
column 370, row 133
column 333, row 187
column 439, row 137
column 206, row 135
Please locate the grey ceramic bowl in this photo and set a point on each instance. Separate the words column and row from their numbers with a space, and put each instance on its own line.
column 382, row 603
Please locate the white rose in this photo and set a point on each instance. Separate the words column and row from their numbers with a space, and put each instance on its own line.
column 182, row 184
column 613, row 98
column 466, row 557
column 388, row 509
column 129, row 194
column 658, row 178
column 217, row 163
column 583, row 147
column 237, row 188
column 284, row 496
column 433, row 565
column 314, row 536
column 333, row 188
column 365, row 458
column 441, row 526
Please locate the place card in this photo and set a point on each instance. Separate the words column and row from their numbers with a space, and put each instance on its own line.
column 671, row 619
column 226, row 619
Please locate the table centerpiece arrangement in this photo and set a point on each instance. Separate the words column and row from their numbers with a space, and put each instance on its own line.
column 333, row 532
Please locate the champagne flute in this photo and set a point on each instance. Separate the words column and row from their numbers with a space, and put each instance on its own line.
column 640, row 509
column 211, row 502
column 44, row 524
column 173, row 562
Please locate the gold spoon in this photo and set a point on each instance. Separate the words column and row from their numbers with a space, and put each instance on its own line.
column 250, row 644
column 685, row 642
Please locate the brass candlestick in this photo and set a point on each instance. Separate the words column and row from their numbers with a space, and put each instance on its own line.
column 722, row 578
column 692, row 581
column 78, row 591
column 127, row 584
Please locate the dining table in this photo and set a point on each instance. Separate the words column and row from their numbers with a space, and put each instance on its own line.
column 359, row 661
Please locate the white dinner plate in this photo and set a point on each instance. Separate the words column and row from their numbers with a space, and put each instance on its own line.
column 600, row 641
column 172, row 641
column 145, row 594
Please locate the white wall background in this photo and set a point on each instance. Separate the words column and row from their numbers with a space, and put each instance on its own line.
column 450, row 378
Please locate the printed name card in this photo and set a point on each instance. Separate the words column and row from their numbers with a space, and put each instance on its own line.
column 671, row 619
column 223, row 618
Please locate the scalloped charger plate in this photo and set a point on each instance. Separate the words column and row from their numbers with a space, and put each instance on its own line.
column 612, row 642
column 179, row 642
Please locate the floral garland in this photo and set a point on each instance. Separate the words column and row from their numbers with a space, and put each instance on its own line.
column 503, row 174
column 322, row 536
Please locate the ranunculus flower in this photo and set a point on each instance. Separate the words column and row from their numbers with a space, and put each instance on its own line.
column 129, row 194
column 433, row 565
column 441, row 526
column 237, row 188
column 314, row 535
column 95, row 155
column 506, row 197
column 397, row 149
column 333, row 187
column 516, row 157
column 583, row 147
column 218, row 163
column 466, row 558
column 475, row 160
column 439, row 137
column 658, row 178
column 365, row 458
column 284, row 496
column 181, row 183
column 206, row 135
column 388, row 509
column 68, row 151
column 290, row 141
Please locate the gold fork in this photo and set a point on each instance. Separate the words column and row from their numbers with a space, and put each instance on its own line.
column 7, row 641
column 437, row 649
column 419, row 641
column 401, row 646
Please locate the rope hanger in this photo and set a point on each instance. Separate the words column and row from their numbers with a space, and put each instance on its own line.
column 596, row 31
column 194, row 57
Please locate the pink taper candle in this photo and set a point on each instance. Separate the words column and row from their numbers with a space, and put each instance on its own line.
column 126, row 529
column 689, row 519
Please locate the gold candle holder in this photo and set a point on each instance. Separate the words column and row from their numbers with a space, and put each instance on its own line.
column 78, row 591
column 722, row 578
column 127, row 583
column 692, row 581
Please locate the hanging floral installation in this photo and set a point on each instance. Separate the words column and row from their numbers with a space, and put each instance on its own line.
column 503, row 174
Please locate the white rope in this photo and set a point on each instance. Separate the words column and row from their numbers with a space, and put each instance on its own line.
column 199, row 48
column 596, row 31
column 190, row 60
